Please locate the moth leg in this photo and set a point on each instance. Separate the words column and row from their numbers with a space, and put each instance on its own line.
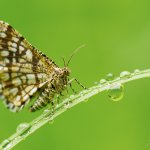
column 58, row 99
column 53, row 107
column 72, row 88
column 74, row 79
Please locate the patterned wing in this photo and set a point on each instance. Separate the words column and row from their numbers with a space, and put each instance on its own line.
column 23, row 69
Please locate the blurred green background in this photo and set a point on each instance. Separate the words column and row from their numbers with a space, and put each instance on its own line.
column 117, row 38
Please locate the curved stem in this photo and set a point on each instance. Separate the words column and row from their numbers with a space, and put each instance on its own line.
column 25, row 129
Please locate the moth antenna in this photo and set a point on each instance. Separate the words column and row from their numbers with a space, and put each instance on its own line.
column 75, row 51
column 63, row 58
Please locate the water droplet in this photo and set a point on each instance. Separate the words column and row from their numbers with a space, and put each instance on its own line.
column 67, row 105
column 136, row 71
column 8, row 146
column 23, row 128
column 81, row 93
column 95, row 82
column 71, row 97
column 116, row 92
column 125, row 74
column 103, row 81
column 109, row 76
column 51, row 121
column 5, row 143
column 86, row 100
column 46, row 113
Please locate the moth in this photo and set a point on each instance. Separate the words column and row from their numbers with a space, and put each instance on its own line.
column 25, row 72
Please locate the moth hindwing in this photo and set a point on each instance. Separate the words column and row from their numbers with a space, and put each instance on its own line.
column 26, row 72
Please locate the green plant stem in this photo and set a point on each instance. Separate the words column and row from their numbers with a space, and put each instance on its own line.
column 49, row 115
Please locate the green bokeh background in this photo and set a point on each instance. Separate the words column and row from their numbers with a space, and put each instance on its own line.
column 117, row 38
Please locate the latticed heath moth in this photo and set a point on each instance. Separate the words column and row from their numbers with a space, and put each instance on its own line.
column 25, row 72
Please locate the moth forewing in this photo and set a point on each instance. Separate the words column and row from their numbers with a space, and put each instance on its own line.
column 25, row 71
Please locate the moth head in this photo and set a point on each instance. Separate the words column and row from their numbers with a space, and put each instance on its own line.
column 66, row 71
column 62, row 72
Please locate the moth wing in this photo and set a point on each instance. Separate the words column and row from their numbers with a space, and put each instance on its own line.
column 23, row 68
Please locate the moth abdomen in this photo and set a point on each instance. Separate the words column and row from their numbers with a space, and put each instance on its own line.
column 41, row 102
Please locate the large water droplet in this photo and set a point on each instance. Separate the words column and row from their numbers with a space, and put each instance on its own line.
column 109, row 76
column 125, row 74
column 23, row 128
column 116, row 92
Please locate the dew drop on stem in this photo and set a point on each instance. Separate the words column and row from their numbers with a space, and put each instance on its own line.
column 103, row 81
column 125, row 74
column 136, row 71
column 4, row 143
column 109, row 76
column 23, row 128
column 116, row 92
